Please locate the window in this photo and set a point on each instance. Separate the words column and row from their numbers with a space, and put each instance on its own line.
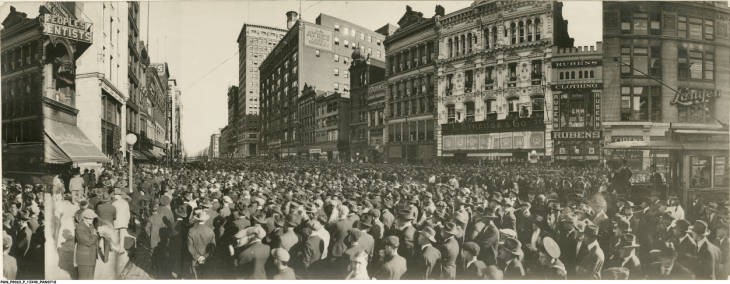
column 337, row 72
column 347, row 43
column 536, row 73
column 709, row 30
column 640, row 22
column 337, row 41
column 700, row 171
column 537, row 29
column 451, row 113
column 709, row 66
column 513, row 32
column 682, row 27
column 491, row 105
column 345, row 59
column 640, row 103
column 522, row 31
column 336, row 86
column 468, row 80
column 346, row 31
column 346, row 74
column 695, row 28
column 512, row 105
column 721, row 172
column 683, row 69
column 337, row 58
column 489, row 78
column 512, row 69
column 353, row 32
column 538, row 106
column 655, row 23
column 573, row 110
column 469, row 111
column 316, row 52
column 362, row 36
column 655, row 62
column 337, row 27
column 449, row 84
column 695, row 64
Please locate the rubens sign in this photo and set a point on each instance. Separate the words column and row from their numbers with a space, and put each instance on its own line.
column 60, row 26
column 688, row 97
column 570, row 135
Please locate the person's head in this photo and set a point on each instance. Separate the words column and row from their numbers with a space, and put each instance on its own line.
column 280, row 257
column 590, row 233
column 426, row 236
column 699, row 230
column 667, row 256
column 88, row 216
column 391, row 245
column 544, row 259
column 469, row 250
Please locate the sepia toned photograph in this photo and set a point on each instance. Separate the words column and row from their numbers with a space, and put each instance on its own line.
column 365, row 140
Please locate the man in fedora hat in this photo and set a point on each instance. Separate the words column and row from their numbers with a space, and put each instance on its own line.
column 625, row 256
column 510, row 258
column 201, row 243
column 708, row 255
column 426, row 266
column 666, row 267
column 549, row 265
column 307, row 252
column 449, row 251
column 252, row 259
column 474, row 269
column 590, row 258
column 683, row 241
column 488, row 238
column 87, row 244
column 406, row 232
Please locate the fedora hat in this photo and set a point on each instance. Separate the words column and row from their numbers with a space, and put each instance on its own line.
column 700, row 228
column 629, row 241
column 181, row 211
column 513, row 246
column 451, row 228
column 201, row 216
column 429, row 233
column 406, row 213
column 488, row 213
column 551, row 247
column 366, row 221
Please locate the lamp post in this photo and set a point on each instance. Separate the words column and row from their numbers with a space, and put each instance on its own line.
column 131, row 139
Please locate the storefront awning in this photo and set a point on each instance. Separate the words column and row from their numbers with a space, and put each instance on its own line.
column 706, row 146
column 65, row 143
column 644, row 145
column 139, row 155
column 157, row 152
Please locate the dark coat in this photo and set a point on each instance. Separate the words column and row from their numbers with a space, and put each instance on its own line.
column 304, row 254
column 107, row 212
column 708, row 262
column 252, row 259
column 487, row 240
column 87, row 244
column 338, row 233
column 590, row 264
column 427, row 265
column 449, row 254
column 201, row 241
column 686, row 251
column 475, row 271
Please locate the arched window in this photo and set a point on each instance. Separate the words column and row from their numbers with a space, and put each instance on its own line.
column 486, row 38
column 522, row 31
column 591, row 74
column 513, row 32
column 561, row 75
column 572, row 74
column 538, row 26
column 529, row 30
column 494, row 36
column 451, row 48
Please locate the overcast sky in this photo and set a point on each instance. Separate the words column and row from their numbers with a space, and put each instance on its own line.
column 198, row 40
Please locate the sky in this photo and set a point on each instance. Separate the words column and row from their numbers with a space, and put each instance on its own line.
column 198, row 41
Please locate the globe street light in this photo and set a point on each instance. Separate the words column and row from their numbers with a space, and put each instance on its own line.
column 131, row 139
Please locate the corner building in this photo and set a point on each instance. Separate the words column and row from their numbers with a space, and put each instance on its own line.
column 322, row 51
column 667, row 92
column 494, row 98
column 411, row 77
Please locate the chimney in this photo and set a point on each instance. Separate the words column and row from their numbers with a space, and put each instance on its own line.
column 291, row 18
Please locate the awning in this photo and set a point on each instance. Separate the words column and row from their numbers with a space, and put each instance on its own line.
column 644, row 145
column 65, row 143
column 706, row 146
column 139, row 155
column 158, row 152
column 150, row 154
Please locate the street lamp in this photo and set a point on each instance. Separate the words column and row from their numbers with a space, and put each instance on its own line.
column 131, row 139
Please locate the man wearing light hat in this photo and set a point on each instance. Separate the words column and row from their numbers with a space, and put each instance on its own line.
column 87, row 243
column 252, row 259
column 281, row 262
column 201, row 243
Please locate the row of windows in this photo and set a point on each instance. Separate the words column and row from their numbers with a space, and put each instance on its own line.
column 411, row 87
column 20, row 57
column 642, row 23
column 24, row 131
column 535, row 108
column 536, row 76
column 21, row 97
column 413, row 57
column 346, row 31
column 416, row 106
column 411, row 131
column 582, row 74
column 518, row 32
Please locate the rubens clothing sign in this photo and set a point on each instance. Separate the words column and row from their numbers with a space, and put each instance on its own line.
column 65, row 27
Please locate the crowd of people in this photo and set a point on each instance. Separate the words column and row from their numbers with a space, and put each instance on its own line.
column 296, row 219
column 23, row 238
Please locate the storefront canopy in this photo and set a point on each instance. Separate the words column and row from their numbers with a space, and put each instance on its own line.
column 139, row 155
column 65, row 143
column 644, row 145
column 158, row 152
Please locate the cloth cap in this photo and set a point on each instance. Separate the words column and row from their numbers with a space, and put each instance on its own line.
column 280, row 254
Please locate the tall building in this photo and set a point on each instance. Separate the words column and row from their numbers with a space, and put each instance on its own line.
column 667, row 92
column 154, row 131
column 174, row 107
column 101, row 78
column 39, row 132
column 322, row 49
column 576, row 88
column 494, row 98
column 411, row 70
column 137, row 59
column 255, row 42
column 364, row 73
column 214, row 148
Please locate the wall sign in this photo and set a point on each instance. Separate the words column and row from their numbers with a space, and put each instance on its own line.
column 558, row 87
column 519, row 124
column 576, row 135
column 626, row 138
column 318, row 37
column 577, row 63
column 65, row 27
column 688, row 97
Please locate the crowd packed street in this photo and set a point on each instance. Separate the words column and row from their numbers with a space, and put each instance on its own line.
column 296, row 219
column 23, row 227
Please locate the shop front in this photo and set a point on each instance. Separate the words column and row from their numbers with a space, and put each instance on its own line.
column 495, row 140
column 577, row 145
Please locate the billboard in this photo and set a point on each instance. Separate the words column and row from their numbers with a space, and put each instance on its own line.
column 319, row 38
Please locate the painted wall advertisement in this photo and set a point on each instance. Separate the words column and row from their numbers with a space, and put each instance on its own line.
column 495, row 141
column 318, row 37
